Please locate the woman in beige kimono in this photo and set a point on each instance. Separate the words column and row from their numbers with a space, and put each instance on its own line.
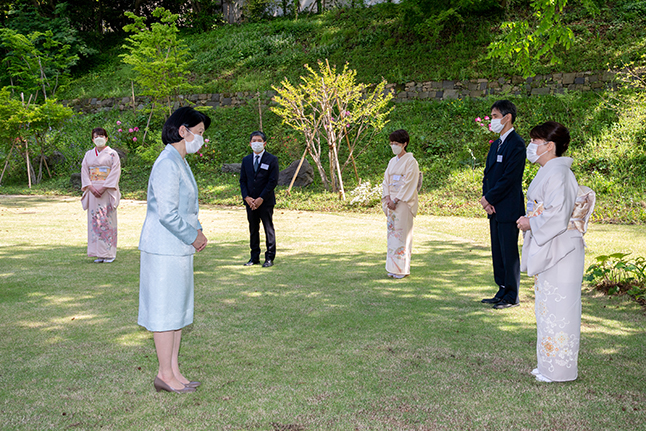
column 553, row 252
column 100, row 172
column 399, row 202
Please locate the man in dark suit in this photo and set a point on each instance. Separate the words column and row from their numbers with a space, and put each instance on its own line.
column 258, row 178
column 502, row 199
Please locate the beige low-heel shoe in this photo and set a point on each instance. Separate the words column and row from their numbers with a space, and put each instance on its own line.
column 160, row 385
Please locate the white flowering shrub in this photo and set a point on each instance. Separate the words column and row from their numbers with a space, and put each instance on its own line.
column 366, row 195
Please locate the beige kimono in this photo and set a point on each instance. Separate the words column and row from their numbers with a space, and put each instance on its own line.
column 101, row 169
column 400, row 182
column 553, row 251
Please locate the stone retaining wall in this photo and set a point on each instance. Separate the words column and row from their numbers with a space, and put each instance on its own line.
column 556, row 83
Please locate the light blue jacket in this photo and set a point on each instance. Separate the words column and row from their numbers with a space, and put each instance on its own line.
column 171, row 223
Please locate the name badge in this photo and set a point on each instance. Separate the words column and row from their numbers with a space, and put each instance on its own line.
column 530, row 206
column 499, row 160
column 264, row 166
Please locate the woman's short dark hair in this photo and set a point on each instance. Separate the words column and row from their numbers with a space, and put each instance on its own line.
column 505, row 107
column 99, row 131
column 551, row 131
column 400, row 136
column 185, row 116
column 258, row 133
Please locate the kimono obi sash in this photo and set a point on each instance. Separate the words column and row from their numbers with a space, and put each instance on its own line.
column 99, row 173
column 583, row 208
column 396, row 182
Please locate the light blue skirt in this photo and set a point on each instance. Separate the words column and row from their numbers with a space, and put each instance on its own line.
column 165, row 292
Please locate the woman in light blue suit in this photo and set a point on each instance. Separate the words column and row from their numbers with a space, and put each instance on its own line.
column 170, row 236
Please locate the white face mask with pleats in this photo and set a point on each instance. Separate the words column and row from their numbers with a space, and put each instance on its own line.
column 100, row 141
column 397, row 149
column 194, row 145
column 257, row 147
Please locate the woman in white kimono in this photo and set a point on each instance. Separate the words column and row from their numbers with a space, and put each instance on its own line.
column 100, row 172
column 170, row 236
column 553, row 252
column 399, row 203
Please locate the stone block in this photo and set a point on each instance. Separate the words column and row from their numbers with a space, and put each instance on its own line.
column 476, row 93
column 493, row 84
column 439, row 95
column 542, row 91
column 436, row 84
column 579, row 80
column 482, row 85
column 608, row 76
column 424, row 95
column 450, row 94
column 231, row 168
column 568, row 78
column 593, row 78
column 517, row 79
column 93, row 101
column 226, row 101
column 448, row 84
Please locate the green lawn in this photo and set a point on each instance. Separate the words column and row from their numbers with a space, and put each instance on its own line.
column 321, row 341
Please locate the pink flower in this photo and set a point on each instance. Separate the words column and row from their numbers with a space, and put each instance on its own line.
column 119, row 130
column 130, row 130
column 200, row 154
column 118, row 123
column 491, row 141
column 136, row 129
column 482, row 124
column 478, row 119
column 206, row 140
column 490, row 127
column 347, row 113
column 486, row 117
column 134, row 139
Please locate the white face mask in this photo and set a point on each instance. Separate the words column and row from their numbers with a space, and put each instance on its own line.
column 100, row 141
column 194, row 145
column 496, row 125
column 397, row 149
column 257, row 147
column 532, row 155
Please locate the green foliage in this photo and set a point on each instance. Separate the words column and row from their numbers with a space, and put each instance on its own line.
column 333, row 109
column 616, row 273
column 159, row 58
column 31, row 69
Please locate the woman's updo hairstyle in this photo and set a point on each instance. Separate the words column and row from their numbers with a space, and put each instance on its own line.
column 551, row 131
column 185, row 116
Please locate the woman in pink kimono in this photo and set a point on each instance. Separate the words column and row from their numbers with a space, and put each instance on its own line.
column 553, row 252
column 399, row 203
column 100, row 172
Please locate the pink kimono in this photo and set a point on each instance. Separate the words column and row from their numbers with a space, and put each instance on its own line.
column 101, row 169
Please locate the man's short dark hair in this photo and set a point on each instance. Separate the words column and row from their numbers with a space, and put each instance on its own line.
column 400, row 136
column 258, row 133
column 185, row 116
column 505, row 107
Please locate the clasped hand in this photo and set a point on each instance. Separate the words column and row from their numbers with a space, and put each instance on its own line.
column 487, row 206
column 253, row 203
column 96, row 191
column 391, row 204
column 523, row 224
column 200, row 242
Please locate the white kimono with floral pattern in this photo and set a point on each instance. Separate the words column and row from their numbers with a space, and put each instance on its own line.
column 555, row 255
column 400, row 182
column 101, row 169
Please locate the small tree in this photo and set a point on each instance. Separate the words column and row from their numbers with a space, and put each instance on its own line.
column 159, row 58
column 332, row 110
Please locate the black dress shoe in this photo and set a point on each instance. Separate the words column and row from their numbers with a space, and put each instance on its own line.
column 493, row 300
column 268, row 263
column 504, row 304
column 252, row 262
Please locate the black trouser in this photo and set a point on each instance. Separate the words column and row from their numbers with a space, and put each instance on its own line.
column 506, row 260
column 264, row 214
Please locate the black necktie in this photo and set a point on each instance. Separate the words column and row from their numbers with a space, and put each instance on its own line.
column 255, row 163
column 499, row 145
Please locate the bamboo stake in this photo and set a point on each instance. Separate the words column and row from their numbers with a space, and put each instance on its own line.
column 132, row 85
column 289, row 190
column 6, row 163
column 152, row 108
column 28, row 164
column 259, row 111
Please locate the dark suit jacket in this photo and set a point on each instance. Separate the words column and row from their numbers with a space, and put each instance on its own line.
column 259, row 184
column 502, row 181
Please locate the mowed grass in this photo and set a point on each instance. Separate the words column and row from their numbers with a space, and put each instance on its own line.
column 321, row 341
